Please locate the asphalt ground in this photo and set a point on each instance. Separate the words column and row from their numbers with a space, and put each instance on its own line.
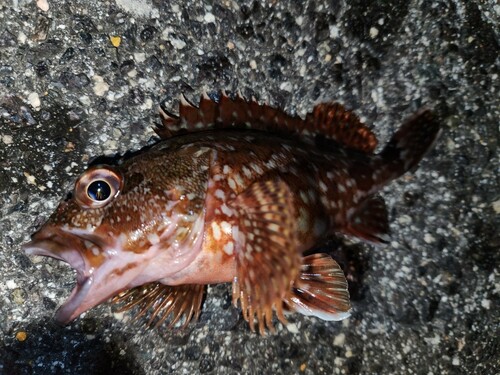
column 85, row 78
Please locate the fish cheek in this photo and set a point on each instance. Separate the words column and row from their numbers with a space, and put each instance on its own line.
column 95, row 257
column 69, row 213
column 135, row 222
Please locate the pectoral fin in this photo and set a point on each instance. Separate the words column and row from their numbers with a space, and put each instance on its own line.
column 320, row 289
column 266, row 253
column 163, row 303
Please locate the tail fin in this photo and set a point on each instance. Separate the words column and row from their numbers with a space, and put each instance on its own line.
column 410, row 143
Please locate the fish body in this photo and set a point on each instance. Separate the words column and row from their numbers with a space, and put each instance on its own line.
column 234, row 192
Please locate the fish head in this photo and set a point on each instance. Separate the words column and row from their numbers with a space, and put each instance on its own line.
column 124, row 226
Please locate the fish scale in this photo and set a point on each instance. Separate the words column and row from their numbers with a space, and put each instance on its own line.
column 234, row 191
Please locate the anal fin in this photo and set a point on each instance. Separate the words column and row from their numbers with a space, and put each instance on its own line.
column 370, row 221
column 163, row 303
column 267, row 254
column 320, row 289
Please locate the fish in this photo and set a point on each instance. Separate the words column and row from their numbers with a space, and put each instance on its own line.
column 234, row 191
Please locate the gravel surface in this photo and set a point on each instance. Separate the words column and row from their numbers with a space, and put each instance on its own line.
column 84, row 79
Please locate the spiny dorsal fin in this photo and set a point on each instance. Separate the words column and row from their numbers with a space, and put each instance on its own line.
column 227, row 113
column 330, row 120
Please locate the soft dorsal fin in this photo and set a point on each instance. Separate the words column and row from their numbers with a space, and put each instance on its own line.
column 330, row 120
column 334, row 121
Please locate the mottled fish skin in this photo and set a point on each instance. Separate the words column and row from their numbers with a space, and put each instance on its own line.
column 235, row 192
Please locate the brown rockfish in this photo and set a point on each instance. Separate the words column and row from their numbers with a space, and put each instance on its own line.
column 237, row 192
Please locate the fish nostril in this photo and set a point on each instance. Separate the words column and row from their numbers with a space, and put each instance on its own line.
column 68, row 197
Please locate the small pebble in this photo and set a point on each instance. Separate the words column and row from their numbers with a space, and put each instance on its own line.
column 177, row 43
column 7, row 139
column 209, row 18
column 34, row 100
column 339, row 340
column 43, row 5
column 21, row 336
column 139, row 57
column 115, row 41
column 496, row 206
column 100, row 86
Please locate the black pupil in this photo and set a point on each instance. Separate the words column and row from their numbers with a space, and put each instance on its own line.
column 99, row 190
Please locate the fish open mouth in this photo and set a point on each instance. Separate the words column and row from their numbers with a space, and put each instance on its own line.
column 67, row 247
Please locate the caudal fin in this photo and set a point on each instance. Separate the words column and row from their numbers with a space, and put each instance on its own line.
column 320, row 289
column 410, row 143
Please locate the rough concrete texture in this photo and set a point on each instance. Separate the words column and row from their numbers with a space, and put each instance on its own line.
column 84, row 79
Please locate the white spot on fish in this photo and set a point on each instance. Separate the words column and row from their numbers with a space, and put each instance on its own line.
column 239, row 180
column 220, row 194
column 271, row 164
column 122, row 238
column 256, row 168
column 226, row 210
column 304, row 197
column 273, row 227
column 226, row 227
column 231, row 183
column 324, row 200
column 227, row 169
column 323, row 186
column 216, row 231
column 229, row 248
column 247, row 172
column 153, row 238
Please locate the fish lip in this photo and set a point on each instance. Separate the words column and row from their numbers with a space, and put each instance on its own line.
column 57, row 244
column 68, row 311
column 66, row 246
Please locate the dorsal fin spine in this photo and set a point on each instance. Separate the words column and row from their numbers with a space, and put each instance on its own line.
column 330, row 120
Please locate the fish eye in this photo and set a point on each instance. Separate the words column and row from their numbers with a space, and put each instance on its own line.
column 98, row 186
column 99, row 190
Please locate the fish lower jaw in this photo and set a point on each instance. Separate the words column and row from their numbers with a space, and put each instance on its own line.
column 72, row 307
